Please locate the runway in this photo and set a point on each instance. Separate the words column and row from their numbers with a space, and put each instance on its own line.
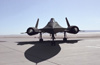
column 80, row 49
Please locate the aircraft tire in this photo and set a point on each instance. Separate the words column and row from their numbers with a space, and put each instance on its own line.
column 41, row 40
column 64, row 39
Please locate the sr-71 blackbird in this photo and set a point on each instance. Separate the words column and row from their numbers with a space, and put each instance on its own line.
column 52, row 28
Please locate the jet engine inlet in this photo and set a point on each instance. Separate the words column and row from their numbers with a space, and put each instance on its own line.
column 32, row 31
column 73, row 29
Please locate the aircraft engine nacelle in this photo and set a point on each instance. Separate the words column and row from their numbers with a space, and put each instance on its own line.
column 32, row 31
column 73, row 29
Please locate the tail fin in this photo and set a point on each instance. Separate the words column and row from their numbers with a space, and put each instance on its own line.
column 36, row 26
column 67, row 22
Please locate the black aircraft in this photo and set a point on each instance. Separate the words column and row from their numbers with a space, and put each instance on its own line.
column 52, row 28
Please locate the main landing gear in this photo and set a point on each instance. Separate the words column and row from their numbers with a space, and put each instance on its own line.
column 41, row 40
column 53, row 37
column 65, row 37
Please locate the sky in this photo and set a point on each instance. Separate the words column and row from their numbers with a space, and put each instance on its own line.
column 17, row 15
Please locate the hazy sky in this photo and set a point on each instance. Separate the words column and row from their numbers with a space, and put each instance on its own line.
column 17, row 15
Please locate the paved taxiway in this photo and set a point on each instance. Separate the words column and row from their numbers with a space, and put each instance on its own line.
column 80, row 49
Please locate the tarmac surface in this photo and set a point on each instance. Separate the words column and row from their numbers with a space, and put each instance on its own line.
column 80, row 49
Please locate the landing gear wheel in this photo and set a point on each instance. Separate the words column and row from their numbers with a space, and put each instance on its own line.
column 41, row 40
column 64, row 39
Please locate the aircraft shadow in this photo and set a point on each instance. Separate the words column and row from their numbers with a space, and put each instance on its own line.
column 48, row 42
column 2, row 41
column 43, row 51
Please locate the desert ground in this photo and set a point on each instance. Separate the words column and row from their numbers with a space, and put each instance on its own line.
column 80, row 49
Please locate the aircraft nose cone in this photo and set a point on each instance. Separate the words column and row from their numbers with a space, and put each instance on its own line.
column 52, row 20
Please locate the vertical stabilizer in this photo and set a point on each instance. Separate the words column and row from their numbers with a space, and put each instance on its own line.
column 36, row 26
column 67, row 22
